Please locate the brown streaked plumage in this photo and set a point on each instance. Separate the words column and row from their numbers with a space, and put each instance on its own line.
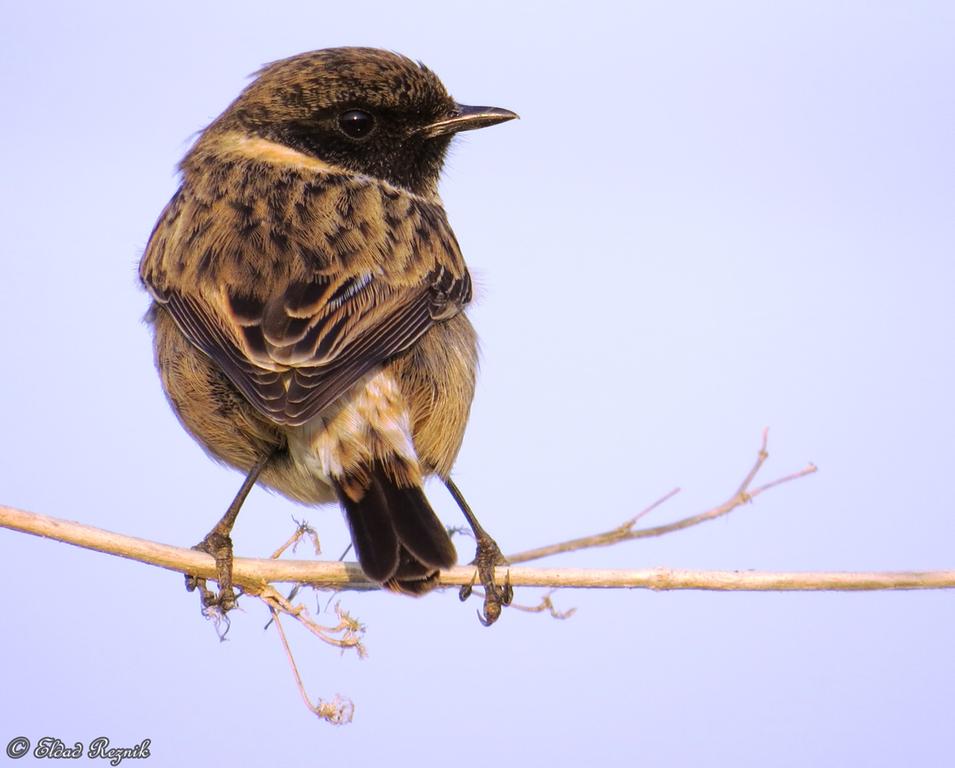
column 307, row 299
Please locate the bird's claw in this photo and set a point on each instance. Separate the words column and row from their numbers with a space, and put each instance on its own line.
column 220, row 547
column 487, row 558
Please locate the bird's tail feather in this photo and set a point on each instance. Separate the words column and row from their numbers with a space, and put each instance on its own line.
column 397, row 536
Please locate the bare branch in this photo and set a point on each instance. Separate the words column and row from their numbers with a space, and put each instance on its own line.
column 626, row 532
column 741, row 581
column 254, row 575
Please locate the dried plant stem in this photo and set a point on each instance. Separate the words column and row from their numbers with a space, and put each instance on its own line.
column 301, row 531
column 338, row 711
column 746, row 581
column 254, row 575
column 626, row 532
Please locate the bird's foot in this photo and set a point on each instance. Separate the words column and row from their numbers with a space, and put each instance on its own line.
column 487, row 557
column 220, row 547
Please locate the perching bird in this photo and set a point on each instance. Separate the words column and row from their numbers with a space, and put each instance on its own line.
column 308, row 295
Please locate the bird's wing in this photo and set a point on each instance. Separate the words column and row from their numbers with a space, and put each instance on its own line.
column 296, row 309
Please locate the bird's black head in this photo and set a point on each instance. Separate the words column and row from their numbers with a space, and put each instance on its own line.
column 367, row 110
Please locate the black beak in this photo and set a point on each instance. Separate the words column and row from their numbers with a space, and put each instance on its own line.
column 466, row 118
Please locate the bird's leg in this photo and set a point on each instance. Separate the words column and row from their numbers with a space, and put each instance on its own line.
column 487, row 557
column 218, row 543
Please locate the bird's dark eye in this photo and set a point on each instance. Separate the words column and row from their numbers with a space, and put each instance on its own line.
column 356, row 123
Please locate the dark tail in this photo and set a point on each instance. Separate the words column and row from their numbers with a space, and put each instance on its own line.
column 398, row 538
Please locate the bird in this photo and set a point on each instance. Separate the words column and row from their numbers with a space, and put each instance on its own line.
column 308, row 300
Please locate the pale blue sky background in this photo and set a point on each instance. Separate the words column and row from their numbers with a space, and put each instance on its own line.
column 712, row 217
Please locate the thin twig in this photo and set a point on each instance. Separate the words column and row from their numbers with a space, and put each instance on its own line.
column 302, row 529
column 626, row 532
column 546, row 604
column 338, row 711
column 647, row 510
column 346, row 634
column 760, row 460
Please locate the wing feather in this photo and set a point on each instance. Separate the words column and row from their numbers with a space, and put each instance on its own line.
column 296, row 320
